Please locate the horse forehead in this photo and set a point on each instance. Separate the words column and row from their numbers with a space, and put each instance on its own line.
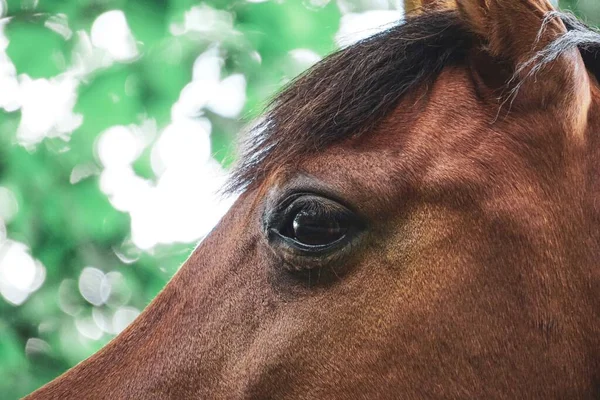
column 437, row 121
column 436, row 116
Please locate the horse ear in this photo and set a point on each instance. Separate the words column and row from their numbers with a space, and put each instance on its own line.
column 513, row 29
column 525, row 35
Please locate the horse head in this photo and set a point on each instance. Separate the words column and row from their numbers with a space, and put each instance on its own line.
column 419, row 217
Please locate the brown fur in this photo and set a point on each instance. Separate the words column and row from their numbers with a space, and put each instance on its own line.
column 478, row 276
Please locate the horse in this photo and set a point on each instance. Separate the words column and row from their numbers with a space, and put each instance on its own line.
column 418, row 217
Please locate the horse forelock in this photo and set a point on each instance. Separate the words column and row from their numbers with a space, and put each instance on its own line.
column 350, row 91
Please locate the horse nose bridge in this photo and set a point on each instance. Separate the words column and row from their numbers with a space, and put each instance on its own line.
column 261, row 370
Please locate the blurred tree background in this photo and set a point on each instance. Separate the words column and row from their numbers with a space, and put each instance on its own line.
column 118, row 121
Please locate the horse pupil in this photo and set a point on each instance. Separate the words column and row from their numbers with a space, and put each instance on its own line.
column 313, row 228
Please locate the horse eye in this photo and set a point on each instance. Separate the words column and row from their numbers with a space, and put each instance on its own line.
column 312, row 224
column 314, row 228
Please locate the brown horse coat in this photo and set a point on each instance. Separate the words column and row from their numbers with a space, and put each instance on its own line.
column 450, row 168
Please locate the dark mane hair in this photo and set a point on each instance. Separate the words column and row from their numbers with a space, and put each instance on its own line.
column 351, row 90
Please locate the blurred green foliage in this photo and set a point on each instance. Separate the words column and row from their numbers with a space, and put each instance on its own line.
column 69, row 225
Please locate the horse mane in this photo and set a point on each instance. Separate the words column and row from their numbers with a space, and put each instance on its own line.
column 350, row 91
